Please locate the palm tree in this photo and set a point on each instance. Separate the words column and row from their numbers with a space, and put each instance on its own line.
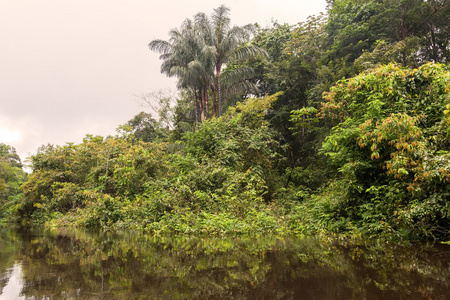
column 197, row 52
column 229, row 43
column 183, row 56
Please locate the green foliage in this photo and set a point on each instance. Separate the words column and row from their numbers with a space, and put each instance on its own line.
column 143, row 127
column 367, row 154
column 390, row 145
column 11, row 177
column 198, row 53
column 64, row 177
column 304, row 117
column 413, row 31
column 222, row 181
column 385, row 53
column 349, row 29
column 296, row 72
column 273, row 40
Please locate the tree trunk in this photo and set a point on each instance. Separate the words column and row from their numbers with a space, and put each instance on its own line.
column 205, row 92
column 434, row 51
column 201, row 103
column 214, row 104
column 219, row 92
column 196, row 107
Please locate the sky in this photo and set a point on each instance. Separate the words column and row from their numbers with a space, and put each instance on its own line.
column 74, row 67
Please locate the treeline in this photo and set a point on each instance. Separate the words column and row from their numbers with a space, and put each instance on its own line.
column 337, row 124
column 11, row 178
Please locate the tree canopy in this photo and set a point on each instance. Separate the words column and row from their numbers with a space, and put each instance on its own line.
column 11, row 177
column 197, row 52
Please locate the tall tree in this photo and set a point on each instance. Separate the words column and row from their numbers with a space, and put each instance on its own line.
column 197, row 53
column 228, row 42
column 184, row 56
column 414, row 31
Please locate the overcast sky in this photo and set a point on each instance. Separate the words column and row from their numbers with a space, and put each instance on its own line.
column 72, row 67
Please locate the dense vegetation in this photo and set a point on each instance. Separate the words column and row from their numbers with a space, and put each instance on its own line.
column 337, row 124
column 11, row 178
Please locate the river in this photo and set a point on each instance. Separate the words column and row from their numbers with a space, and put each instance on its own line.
column 74, row 264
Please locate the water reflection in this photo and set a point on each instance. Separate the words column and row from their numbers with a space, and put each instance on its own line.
column 13, row 283
column 86, row 265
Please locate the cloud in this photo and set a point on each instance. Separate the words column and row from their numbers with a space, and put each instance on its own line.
column 8, row 136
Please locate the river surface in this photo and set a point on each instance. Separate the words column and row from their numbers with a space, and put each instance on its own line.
column 63, row 264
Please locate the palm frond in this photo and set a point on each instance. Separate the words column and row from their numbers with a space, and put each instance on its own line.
column 160, row 46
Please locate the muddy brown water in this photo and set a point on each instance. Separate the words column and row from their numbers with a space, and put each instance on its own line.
column 73, row 264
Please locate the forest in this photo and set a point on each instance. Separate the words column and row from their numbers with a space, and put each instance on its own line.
column 337, row 125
